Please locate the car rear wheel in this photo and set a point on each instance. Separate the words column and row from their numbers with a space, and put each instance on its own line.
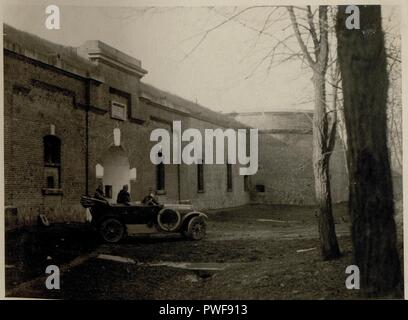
column 196, row 228
column 112, row 230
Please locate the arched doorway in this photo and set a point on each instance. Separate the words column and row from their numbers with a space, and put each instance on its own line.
column 116, row 172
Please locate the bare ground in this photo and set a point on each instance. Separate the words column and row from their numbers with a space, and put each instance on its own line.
column 249, row 253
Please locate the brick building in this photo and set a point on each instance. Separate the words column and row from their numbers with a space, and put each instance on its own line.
column 77, row 116
column 74, row 117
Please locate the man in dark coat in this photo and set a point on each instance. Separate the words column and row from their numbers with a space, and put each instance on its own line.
column 124, row 195
column 99, row 193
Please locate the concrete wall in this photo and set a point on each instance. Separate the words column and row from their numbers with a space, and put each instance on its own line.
column 285, row 159
column 279, row 120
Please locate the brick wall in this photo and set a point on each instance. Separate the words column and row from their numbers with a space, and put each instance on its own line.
column 35, row 100
column 41, row 94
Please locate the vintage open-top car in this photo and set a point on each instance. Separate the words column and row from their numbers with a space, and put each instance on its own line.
column 114, row 221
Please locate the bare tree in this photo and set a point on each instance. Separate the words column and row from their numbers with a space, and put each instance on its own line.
column 324, row 127
column 363, row 65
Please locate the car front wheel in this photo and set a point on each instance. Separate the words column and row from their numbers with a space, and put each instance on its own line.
column 112, row 230
column 196, row 228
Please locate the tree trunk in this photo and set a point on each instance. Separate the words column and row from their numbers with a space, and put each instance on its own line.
column 362, row 60
column 323, row 138
column 321, row 156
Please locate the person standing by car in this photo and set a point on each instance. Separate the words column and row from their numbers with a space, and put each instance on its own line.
column 124, row 195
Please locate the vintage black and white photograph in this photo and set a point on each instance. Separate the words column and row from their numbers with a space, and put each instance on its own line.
column 173, row 152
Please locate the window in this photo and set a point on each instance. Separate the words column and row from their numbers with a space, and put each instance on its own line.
column 108, row 191
column 246, row 183
column 50, row 181
column 260, row 188
column 160, row 176
column 52, row 162
column 200, row 177
column 229, row 177
column 118, row 110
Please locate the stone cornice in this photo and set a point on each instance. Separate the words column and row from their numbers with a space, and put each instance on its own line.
column 99, row 52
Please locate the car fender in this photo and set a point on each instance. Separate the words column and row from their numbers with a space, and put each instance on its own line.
column 191, row 214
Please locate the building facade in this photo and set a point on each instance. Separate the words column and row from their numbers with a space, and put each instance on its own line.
column 78, row 117
column 75, row 117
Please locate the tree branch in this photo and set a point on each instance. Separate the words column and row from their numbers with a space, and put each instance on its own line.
column 324, row 39
column 208, row 31
column 312, row 30
column 302, row 45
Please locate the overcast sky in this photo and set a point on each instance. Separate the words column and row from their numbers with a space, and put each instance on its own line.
column 226, row 71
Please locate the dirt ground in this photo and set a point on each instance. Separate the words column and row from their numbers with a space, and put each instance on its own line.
column 250, row 252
